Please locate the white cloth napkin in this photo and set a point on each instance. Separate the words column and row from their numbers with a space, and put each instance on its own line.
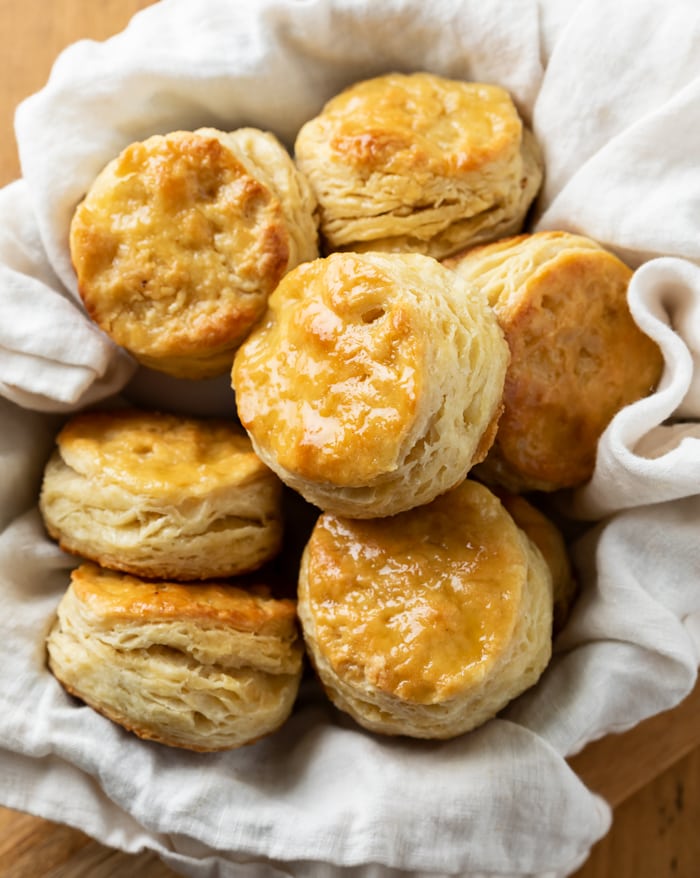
column 51, row 357
column 619, row 128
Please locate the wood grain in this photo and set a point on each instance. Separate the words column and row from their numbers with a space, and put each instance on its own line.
column 618, row 766
column 655, row 833
column 31, row 847
column 651, row 774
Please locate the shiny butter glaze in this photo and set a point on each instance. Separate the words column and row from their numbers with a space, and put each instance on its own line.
column 330, row 380
column 158, row 453
column 421, row 604
column 397, row 123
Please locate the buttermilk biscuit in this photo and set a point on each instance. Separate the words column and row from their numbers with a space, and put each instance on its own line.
column 161, row 496
column 373, row 383
column 428, row 623
column 182, row 238
column 420, row 163
column 577, row 356
column 203, row 667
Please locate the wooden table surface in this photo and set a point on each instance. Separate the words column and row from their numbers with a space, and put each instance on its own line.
column 650, row 775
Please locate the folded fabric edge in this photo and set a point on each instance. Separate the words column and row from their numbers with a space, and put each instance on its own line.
column 87, row 387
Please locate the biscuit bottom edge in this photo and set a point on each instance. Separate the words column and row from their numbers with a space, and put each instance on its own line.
column 217, row 710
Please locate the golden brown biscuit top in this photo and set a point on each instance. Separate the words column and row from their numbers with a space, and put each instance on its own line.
column 331, row 377
column 572, row 339
column 115, row 597
column 176, row 245
column 153, row 453
column 577, row 356
column 421, row 122
column 418, row 605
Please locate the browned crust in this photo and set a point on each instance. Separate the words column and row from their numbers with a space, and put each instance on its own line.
column 112, row 595
column 143, row 280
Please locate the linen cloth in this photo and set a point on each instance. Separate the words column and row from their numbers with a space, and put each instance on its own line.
column 620, row 131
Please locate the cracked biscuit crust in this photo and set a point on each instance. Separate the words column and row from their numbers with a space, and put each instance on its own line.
column 182, row 238
column 203, row 667
column 161, row 496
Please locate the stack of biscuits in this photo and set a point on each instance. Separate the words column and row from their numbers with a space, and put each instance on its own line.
column 405, row 360
column 170, row 626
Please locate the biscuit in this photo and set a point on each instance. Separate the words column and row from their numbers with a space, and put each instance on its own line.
column 161, row 496
column 373, row 383
column 203, row 667
column 428, row 623
column 419, row 163
column 181, row 239
column 577, row 356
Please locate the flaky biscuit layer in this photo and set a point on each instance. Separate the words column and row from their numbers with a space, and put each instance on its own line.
column 161, row 496
column 202, row 667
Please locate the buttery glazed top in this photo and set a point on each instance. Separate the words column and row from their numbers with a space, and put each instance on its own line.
column 176, row 246
column 117, row 597
column 397, row 123
column 330, row 379
column 418, row 605
column 159, row 454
